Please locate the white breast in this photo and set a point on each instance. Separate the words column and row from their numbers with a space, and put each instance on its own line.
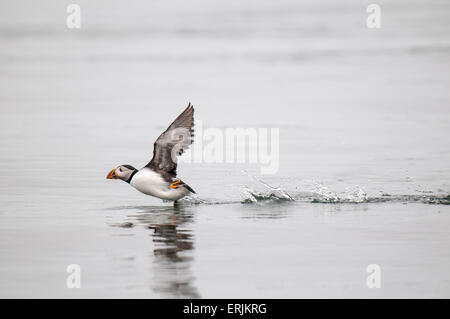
column 151, row 183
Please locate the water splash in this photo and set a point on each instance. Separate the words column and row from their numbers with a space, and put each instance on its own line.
column 270, row 193
column 321, row 194
column 253, row 197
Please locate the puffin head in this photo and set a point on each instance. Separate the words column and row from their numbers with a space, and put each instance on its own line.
column 123, row 172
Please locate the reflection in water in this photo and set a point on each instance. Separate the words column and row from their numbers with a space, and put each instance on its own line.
column 173, row 249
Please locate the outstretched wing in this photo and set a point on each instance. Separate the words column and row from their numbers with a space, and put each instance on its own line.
column 173, row 142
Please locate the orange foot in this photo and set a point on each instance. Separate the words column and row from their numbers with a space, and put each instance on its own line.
column 174, row 184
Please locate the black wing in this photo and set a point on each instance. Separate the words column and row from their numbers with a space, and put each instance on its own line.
column 173, row 142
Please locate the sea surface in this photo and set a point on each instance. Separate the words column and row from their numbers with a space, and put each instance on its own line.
column 364, row 149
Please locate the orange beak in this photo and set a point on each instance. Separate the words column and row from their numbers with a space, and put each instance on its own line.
column 111, row 174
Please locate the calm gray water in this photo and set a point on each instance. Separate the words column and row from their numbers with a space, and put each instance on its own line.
column 364, row 174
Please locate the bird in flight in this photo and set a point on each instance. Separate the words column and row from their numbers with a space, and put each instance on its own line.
column 159, row 177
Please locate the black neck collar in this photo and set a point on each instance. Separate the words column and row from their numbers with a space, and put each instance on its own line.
column 131, row 176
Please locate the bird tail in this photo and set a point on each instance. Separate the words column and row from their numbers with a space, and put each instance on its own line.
column 189, row 188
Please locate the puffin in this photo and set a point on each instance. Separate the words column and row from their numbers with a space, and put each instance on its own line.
column 159, row 177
